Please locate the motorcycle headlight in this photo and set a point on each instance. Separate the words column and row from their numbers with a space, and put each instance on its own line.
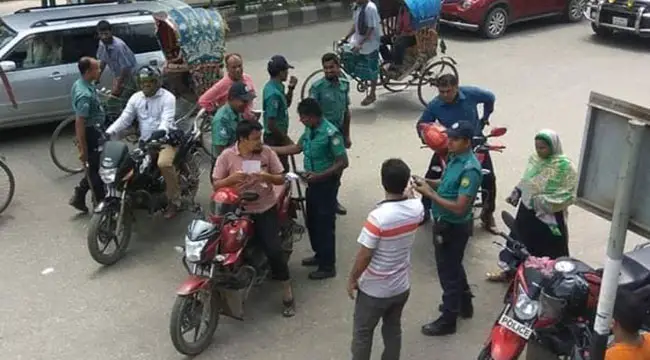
column 107, row 175
column 525, row 308
column 193, row 249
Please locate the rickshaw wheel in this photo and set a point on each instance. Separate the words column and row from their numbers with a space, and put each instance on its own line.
column 429, row 77
column 304, row 90
column 394, row 87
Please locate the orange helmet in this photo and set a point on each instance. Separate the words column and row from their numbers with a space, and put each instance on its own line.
column 434, row 136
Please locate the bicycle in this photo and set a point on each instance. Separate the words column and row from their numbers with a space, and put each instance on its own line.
column 4, row 204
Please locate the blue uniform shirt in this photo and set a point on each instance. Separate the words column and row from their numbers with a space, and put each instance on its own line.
column 462, row 176
column 463, row 108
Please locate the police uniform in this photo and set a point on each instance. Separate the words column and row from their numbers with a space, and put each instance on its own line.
column 86, row 104
column 275, row 107
column 462, row 176
column 321, row 146
column 334, row 100
column 224, row 124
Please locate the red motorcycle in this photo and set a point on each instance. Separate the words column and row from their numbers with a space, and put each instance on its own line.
column 435, row 137
column 223, row 265
column 551, row 304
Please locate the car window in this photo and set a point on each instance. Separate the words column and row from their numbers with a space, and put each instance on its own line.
column 79, row 42
column 141, row 38
column 6, row 34
column 36, row 51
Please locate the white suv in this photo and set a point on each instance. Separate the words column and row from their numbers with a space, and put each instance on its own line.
column 40, row 47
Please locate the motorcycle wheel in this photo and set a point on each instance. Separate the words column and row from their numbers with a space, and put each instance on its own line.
column 485, row 353
column 102, row 232
column 184, row 313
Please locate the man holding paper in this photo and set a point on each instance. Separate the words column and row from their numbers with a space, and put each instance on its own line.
column 251, row 166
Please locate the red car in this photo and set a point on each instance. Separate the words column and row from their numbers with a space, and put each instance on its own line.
column 492, row 17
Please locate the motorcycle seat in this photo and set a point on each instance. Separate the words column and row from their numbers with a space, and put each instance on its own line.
column 635, row 269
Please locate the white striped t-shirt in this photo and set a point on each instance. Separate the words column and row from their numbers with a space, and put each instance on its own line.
column 390, row 232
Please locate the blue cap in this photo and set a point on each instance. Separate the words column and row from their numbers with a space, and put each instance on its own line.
column 461, row 129
column 278, row 63
column 239, row 90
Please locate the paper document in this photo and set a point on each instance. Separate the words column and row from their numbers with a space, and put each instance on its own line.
column 251, row 166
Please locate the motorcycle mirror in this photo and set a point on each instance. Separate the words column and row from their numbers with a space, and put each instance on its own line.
column 498, row 131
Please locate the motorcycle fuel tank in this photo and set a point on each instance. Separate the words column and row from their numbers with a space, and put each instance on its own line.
column 114, row 154
column 234, row 235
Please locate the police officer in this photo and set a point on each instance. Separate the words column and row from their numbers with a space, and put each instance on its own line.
column 332, row 92
column 89, row 124
column 324, row 159
column 451, row 211
column 276, row 104
column 224, row 122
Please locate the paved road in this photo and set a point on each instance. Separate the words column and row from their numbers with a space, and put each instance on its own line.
column 542, row 76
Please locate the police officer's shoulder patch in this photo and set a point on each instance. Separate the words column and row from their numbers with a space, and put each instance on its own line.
column 223, row 131
column 464, row 181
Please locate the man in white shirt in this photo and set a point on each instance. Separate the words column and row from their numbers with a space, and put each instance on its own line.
column 365, row 38
column 155, row 108
column 381, row 270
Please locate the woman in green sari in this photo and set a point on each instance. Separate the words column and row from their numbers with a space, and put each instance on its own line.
column 544, row 193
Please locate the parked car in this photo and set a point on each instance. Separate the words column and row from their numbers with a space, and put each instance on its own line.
column 609, row 16
column 492, row 17
column 41, row 84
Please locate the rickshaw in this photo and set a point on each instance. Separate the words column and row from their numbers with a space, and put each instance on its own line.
column 422, row 59
column 193, row 42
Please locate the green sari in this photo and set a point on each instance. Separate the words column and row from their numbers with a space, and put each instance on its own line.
column 548, row 185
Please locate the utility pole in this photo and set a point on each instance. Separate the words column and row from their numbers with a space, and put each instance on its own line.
column 616, row 243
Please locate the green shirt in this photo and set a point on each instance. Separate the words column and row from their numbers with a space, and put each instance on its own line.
column 224, row 124
column 321, row 146
column 462, row 176
column 333, row 98
column 274, row 104
column 87, row 104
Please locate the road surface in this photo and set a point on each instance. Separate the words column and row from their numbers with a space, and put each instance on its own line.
column 57, row 304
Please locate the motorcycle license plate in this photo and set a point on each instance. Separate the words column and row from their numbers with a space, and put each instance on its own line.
column 515, row 326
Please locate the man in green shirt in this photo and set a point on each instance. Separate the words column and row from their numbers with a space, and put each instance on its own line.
column 451, row 210
column 275, row 104
column 325, row 158
column 224, row 122
column 332, row 92
column 89, row 124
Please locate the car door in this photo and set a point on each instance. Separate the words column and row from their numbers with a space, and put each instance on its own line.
column 38, row 79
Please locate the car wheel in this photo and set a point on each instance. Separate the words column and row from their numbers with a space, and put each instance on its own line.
column 495, row 23
column 574, row 10
column 601, row 31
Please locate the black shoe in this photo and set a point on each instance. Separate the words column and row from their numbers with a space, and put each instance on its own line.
column 78, row 200
column 310, row 261
column 445, row 325
column 322, row 274
column 466, row 306
column 340, row 210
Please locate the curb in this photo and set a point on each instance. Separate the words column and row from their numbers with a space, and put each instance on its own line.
column 283, row 19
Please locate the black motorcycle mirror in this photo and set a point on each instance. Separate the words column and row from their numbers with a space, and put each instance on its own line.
column 508, row 219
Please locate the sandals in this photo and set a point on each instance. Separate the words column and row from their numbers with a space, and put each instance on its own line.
column 500, row 276
column 289, row 309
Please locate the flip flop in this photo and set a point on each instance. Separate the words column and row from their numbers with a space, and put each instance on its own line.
column 289, row 308
column 368, row 100
column 500, row 276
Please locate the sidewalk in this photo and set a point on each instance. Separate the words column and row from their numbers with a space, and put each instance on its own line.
column 242, row 24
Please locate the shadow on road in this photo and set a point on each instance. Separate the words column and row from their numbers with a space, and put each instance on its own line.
column 528, row 28
column 622, row 41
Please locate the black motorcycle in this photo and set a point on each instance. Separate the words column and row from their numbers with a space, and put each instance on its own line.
column 133, row 181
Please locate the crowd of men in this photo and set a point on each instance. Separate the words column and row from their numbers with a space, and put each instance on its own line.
column 379, row 279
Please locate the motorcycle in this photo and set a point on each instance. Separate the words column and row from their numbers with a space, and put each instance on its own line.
column 551, row 304
column 223, row 265
column 133, row 181
column 430, row 135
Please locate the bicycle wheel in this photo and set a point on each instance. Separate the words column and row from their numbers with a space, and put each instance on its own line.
column 304, row 90
column 429, row 78
column 6, row 195
column 67, row 158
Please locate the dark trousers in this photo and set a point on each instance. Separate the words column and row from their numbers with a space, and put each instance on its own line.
column 367, row 312
column 272, row 140
column 92, row 172
column 449, row 261
column 321, row 221
column 267, row 235
column 488, row 186
column 399, row 46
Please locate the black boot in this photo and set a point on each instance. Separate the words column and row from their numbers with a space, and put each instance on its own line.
column 340, row 209
column 445, row 325
column 78, row 200
column 466, row 306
